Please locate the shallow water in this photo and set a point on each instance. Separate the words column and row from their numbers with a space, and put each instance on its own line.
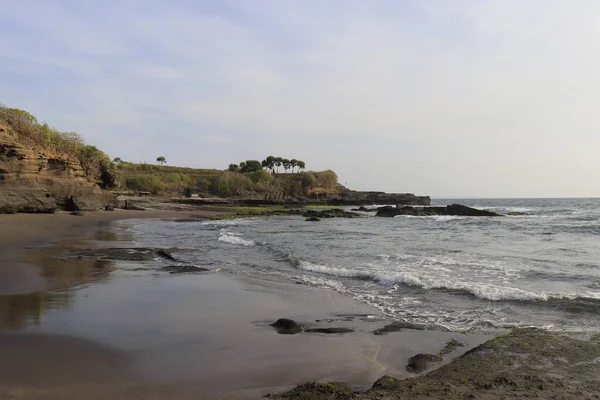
column 479, row 273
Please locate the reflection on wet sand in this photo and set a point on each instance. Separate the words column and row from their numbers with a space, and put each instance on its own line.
column 62, row 277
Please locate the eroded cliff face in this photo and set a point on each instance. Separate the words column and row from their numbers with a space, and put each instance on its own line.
column 37, row 180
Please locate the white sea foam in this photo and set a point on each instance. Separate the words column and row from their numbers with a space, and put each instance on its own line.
column 229, row 222
column 232, row 238
column 332, row 271
column 435, row 279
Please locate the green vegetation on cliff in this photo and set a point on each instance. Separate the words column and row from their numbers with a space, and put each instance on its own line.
column 251, row 178
column 161, row 179
column 27, row 131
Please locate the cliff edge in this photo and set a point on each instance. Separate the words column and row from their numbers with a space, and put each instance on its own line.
column 40, row 179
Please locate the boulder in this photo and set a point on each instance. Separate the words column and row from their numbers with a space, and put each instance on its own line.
column 26, row 201
column 109, row 207
column 422, row 362
column 285, row 326
column 85, row 203
column 130, row 206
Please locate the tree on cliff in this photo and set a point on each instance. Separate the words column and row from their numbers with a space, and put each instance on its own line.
column 161, row 160
column 250, row 166
column 278, row 162
column 117, row 160
column 233, row 168
column 286, row 164
column 301, row 165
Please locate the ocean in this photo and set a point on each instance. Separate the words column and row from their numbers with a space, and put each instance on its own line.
column 475, row 274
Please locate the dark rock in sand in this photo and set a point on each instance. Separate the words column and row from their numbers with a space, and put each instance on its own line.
column 109, row 207
column 166, row 255
column 313, row 219
column 329, row 330
column 79, row 213
column 453, row 209
column 182, row 269
column 400, row 326
column 285, row 326
column 422, row 362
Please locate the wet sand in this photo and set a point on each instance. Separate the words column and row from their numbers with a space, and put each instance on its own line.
column 72, row 329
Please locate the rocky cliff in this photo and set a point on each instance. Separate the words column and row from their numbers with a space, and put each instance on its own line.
column 40, row 181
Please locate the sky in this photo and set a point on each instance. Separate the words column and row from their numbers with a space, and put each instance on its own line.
column 494, row 98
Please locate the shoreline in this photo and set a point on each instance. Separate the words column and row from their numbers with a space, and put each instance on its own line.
column 360, row 356
column 240, row 356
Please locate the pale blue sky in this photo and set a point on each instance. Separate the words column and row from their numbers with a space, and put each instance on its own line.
column 493, row 98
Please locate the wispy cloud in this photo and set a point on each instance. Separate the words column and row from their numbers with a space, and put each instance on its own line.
column 492, row 98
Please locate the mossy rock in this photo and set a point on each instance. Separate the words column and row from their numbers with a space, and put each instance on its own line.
column 318, row 391
column 313, row 219
column 385, row 382
column 450, row 346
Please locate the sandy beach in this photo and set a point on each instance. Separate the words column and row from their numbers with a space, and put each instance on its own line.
column 74, row 328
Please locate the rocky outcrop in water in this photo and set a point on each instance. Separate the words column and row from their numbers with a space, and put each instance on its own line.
column 453, row 209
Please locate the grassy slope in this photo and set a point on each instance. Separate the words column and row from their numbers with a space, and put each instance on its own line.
column 162, row 179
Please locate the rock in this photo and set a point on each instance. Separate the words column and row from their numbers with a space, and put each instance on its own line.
column 422, row 362
column 80, row 213
column 84, row 203
column 26, row 201
column 450, row 346
column 400, row 326
column 35, row 180
column 166, row 255
column 318, row 391
column 385, row 382
column 120, row 254
column 357, row 198
column 313, row 219
column 130, row 206
column 329, row 330
column 109, row 207
column 333, row 213
column 286, row 326
column 515, row 213
column 457, row 209
column 182, row 269
column 453, row 209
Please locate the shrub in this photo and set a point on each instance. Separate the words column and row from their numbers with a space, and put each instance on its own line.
column 144, row 183
column 261, row 176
